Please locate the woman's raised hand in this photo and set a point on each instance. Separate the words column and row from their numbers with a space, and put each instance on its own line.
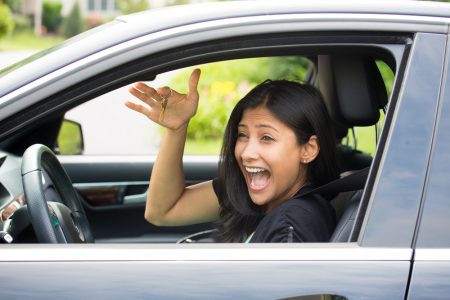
column 166, row 106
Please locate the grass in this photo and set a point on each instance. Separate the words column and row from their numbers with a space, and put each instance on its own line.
column 27, row 40
column 202, row 147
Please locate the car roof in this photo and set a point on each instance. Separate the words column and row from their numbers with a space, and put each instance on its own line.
column 125, row 28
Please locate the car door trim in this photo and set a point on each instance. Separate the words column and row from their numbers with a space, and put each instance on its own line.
column 428, row 254
column 203, row 252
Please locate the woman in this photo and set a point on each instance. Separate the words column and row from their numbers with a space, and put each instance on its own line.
column 278, row 144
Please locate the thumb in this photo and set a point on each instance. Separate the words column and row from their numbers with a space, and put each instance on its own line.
column 193, row 82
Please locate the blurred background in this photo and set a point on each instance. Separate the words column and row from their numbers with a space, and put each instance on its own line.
column 31, row 25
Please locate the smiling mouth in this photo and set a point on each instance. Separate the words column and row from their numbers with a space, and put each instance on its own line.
column 257, row 178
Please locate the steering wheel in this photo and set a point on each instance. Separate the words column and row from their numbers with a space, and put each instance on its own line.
column 54, row 222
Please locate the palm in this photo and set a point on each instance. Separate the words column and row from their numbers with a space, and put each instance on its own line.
column 179, row 109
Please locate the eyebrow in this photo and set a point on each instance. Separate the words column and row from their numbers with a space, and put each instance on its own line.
column 259, row 126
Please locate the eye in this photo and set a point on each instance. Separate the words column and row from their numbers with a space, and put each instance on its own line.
column 241, row 135
column 267, row 138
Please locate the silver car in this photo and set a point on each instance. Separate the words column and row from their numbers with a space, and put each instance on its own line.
column 84, row 235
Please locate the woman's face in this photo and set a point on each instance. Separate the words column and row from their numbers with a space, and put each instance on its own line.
column 269, row 157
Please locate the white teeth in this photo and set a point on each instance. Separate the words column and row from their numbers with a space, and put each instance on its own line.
column 254, row 170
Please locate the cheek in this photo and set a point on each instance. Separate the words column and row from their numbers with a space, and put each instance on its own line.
column 286, row 159
column 286, row 167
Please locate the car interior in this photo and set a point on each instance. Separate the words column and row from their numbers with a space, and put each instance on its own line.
column 354, row 93
column 351, row 84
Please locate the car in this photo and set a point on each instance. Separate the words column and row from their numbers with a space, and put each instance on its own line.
column 73, row 225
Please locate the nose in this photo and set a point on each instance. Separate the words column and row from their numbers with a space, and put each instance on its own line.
column 250, row 151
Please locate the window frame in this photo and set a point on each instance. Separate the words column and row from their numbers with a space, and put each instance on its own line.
column 386, row 45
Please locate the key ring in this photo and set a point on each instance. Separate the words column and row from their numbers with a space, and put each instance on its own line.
column 164, row 102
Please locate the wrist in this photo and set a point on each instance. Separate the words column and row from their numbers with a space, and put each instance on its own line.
column 182, row 130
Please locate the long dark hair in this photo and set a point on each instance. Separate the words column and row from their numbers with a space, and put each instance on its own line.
column 302, row 109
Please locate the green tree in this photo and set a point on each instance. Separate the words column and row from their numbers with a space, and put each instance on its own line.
column 288, row 67
column 51, row 15
column 73, row 23
column 6, row 20
column 132, row 6
column 14, row 5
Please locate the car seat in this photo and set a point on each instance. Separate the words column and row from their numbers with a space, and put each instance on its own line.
column 354, row 92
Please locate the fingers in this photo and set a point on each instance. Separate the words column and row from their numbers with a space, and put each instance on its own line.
column 145, row 93
column 193, row 82
column 139, row 108
column 157, row 99
column 166, row 92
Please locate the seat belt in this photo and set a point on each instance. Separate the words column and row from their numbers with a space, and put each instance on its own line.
column 352, row 182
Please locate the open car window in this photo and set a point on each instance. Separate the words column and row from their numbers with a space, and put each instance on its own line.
column 109, row 129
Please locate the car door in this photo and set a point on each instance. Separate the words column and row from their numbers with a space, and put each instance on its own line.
column 376, row 264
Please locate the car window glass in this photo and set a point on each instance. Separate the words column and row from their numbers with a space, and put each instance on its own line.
column 435, row 222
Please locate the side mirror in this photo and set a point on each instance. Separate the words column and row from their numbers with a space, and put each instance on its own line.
column 70, row 138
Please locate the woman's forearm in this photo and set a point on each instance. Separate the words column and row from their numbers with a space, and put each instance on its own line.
column 173, row 111
column 167, row 179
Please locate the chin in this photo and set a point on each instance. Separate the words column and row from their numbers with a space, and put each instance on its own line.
column 259, row 200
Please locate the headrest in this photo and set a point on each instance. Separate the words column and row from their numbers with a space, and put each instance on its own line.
column 353, row 89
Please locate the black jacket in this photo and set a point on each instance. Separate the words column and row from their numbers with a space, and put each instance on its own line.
column 309, row 219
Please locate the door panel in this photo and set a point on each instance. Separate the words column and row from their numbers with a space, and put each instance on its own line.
column 210, row 272
column 113, row 190
column 431, row 274
column 213, row 280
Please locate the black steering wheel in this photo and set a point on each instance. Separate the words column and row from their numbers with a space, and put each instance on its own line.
column 61, row 221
